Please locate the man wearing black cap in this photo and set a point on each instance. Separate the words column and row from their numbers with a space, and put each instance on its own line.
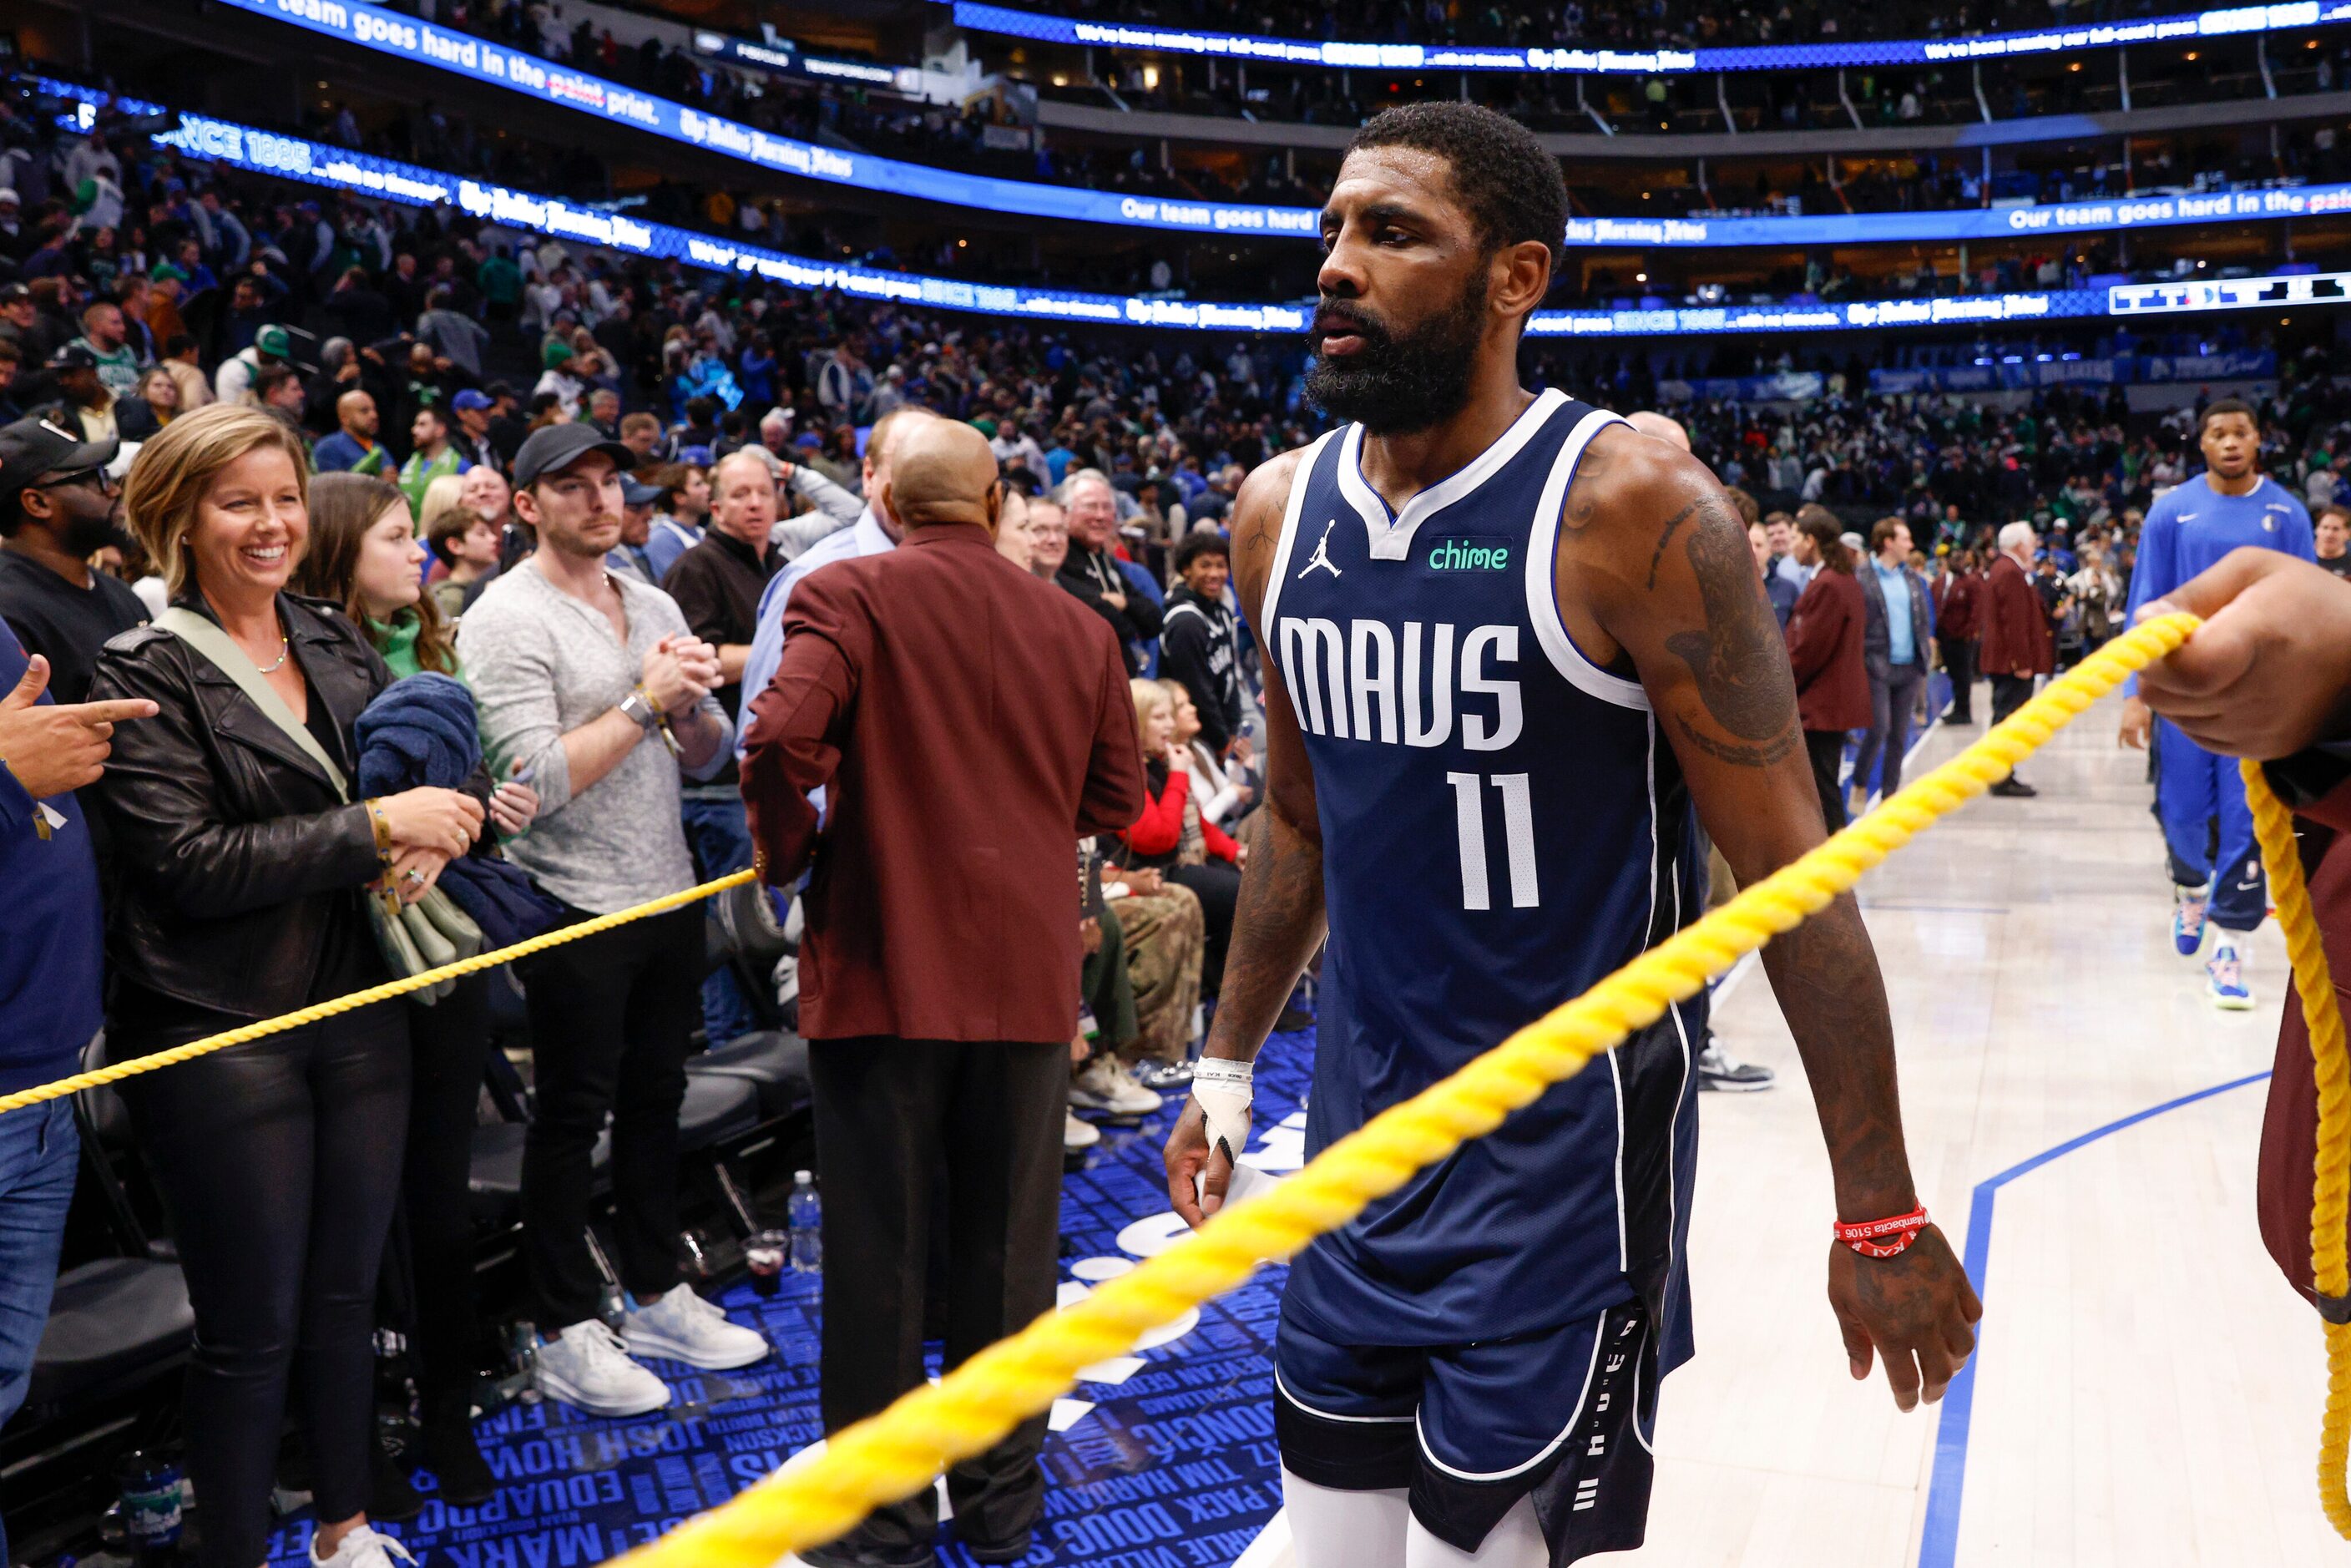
column 83, row 400
column 593, row 688
column 57, row 511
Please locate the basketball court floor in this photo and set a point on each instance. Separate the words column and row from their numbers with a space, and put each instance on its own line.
column 2082, row 1122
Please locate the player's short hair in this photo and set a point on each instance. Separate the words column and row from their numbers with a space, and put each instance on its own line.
column 1199, row 543
column 1511, row 188
column 1882, row 531
column 2222, row 405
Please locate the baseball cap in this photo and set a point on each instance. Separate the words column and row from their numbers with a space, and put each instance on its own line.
column 274, row 340
column 559, row 446
column 469, row 397
column 809, row 439
column 32, row 447
column 13, row 292
column 163, row 271
column 72, row 357
column 634, row 492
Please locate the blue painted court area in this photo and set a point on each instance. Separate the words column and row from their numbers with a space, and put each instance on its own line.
column 1171, row 1466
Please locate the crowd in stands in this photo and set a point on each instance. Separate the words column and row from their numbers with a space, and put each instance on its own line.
column 477, row 545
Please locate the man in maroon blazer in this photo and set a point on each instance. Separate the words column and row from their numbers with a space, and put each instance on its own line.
column 969, row 723
column 2017, row 645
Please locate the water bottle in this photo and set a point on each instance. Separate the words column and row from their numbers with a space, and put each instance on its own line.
column 807, row 1224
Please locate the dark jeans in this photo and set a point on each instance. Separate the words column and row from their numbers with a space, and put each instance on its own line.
column 1960, row 663
column 1218, row 884
column 915, row 1137
column 1826, row 748
column 280, row 1161
column 1888, row 737
column 451, row 1040
column 719, row 835
column 610, row 1016
column 39, row 1153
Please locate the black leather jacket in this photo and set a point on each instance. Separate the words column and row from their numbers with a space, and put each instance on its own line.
column 232, row 854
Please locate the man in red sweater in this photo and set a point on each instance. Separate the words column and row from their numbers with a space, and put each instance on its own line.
column 969, row 724
column 2016, row 641
column 1958, row 590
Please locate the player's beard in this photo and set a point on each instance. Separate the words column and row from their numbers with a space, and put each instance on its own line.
column 1397, row 383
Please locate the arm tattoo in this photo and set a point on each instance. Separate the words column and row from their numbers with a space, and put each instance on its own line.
column 1666, row 537
column 1740, row 660
column 1827, row 980
column 1740, row 755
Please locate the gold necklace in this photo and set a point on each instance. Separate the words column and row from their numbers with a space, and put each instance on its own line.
column 283, row 647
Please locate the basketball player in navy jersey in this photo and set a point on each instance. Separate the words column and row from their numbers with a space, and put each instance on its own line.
column 1510, row 645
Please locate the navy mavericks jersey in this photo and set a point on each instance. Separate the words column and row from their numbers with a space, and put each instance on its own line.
column 1501, row 827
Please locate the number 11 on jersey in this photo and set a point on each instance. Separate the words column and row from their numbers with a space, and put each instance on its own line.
column 1518, row 837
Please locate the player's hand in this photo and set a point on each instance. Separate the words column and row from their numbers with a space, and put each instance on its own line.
column 1187, row 1157
column 2136, row 721
column 64, row 745
column 2269, row 672
column 1917, row 1311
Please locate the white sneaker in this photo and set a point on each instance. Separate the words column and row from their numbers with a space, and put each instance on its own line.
column 360, row 1547
column 1077, row 1135
column 1104, row 1085
column 585, row 1366
column 682, row 1327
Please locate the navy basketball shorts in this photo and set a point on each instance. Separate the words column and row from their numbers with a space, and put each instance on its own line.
column 1561, row 1415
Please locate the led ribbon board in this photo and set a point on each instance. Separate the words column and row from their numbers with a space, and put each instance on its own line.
column 1246, row 48
column 478, row 60
column 482, row 61
column 337, row 168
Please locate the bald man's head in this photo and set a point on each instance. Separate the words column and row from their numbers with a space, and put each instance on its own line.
column 942, row 472
column 1661, row 427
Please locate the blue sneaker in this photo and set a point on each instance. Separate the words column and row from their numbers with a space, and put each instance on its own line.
column 2188, row 922
column 2224, row 981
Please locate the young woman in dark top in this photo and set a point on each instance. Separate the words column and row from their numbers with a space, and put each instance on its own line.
column 364, row 556
column 243, row 871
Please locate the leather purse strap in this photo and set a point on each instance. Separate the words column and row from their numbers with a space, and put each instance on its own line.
column 225, row 656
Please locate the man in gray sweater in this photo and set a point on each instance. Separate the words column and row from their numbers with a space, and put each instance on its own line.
column 594, row 690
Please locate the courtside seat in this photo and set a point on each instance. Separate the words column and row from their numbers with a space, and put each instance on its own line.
column 775, row 1061
column 114, row 1323
column 717, row 1109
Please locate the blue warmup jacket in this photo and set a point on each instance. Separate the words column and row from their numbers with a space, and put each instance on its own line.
column 52, row 925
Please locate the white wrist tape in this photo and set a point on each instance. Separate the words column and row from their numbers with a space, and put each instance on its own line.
column 1223, row 1090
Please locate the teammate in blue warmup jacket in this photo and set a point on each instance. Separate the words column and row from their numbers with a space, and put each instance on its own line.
column 2199, row 796
column 1512, row 647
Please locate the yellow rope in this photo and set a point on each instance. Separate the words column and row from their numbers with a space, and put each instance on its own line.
column 897, row 1453
column 900, row 1452
column 2331, row 1191
column 326, row 1009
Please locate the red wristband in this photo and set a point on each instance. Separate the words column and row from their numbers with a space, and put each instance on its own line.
column 1864, row 1238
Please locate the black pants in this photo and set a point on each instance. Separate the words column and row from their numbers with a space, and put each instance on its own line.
column 1826, row 748
column 914, row 1136
column 452, row 1048
column 1960, row 663
column 280, row 1161
column 611, row 1018
column 2009, row 693
column 1218, row 885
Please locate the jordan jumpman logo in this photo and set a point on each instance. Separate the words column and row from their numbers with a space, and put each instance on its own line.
column 1321, row 556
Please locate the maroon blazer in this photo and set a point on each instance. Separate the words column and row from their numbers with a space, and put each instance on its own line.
column 969, row 723
column 1824, row 648
column 1957, row 604
column 2015, row 627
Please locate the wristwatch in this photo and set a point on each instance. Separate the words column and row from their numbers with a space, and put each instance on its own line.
column 640, row 707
